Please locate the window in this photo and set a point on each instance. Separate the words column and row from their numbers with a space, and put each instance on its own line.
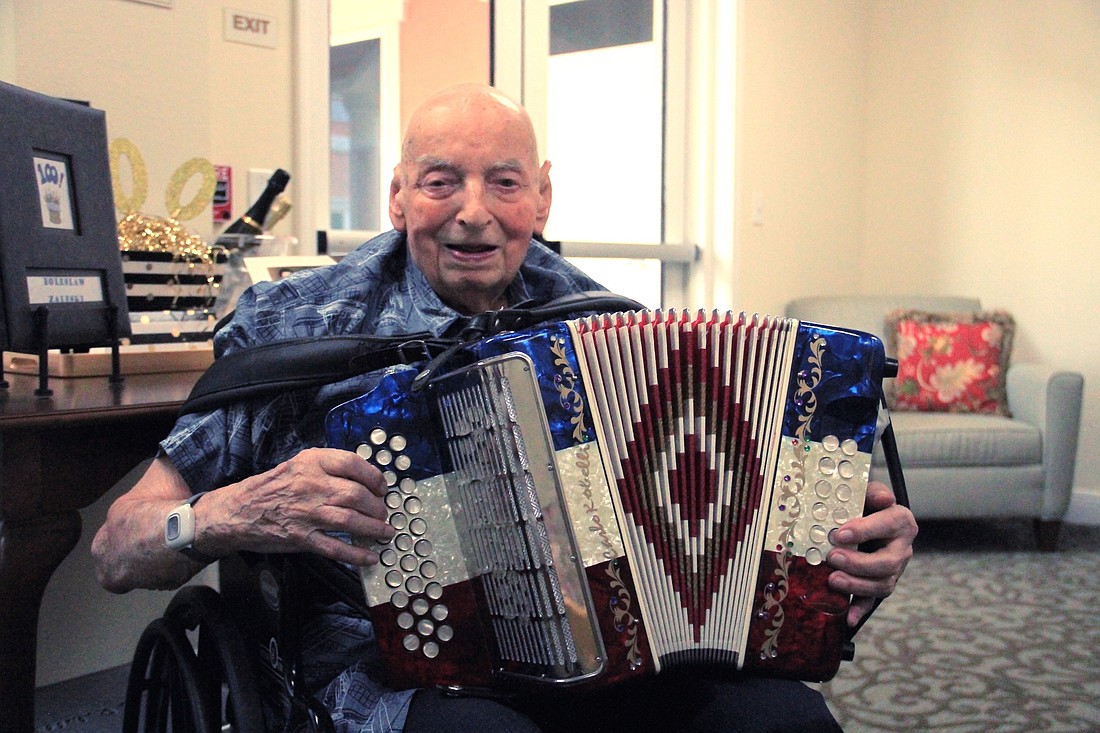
column 355, row 185
column 594, row 81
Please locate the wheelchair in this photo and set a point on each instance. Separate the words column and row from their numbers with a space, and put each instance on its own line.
column 232, row 660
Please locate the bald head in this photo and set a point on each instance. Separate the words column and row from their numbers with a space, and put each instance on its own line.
column 469, row 193
column 468, row 101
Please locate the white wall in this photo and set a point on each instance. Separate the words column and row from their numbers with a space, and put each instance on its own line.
column 939, row 146
column 168, row 82
column 801, row 137
column 983, row 173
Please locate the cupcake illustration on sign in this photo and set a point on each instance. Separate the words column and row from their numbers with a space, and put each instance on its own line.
column 52, row 177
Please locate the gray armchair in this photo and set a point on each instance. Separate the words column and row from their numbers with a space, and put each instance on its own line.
column 977, row 466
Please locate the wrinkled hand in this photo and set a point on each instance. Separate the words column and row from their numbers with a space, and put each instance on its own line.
column 296, row 506
column 889, row 529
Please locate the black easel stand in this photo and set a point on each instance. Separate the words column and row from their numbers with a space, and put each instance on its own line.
column 112, row 329
column 41, row 334
column 41, row 337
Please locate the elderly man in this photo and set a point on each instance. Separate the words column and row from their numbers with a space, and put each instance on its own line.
column 465, row 199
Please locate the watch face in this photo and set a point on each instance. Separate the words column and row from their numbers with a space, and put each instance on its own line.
column 172, row 527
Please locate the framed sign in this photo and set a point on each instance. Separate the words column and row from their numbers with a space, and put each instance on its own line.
column 60, row 269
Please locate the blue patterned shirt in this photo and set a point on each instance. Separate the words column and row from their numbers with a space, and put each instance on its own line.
column 375, row 290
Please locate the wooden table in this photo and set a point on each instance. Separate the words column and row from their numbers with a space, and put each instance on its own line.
column 59, row 454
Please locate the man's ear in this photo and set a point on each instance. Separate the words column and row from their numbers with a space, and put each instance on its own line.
column 546, row 194
column 397, row 209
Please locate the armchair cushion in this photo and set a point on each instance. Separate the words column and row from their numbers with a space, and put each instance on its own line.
column 950, row 362
column 944, row 440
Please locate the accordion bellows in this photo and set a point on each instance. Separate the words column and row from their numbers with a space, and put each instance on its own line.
column 601, row 498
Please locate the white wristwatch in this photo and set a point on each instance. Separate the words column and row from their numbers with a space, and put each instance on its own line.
column 179, row 531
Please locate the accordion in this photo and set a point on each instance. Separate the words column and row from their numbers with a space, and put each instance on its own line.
column 600, row 498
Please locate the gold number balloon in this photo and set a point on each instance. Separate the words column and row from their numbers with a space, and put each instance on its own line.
column 201, row 200
column 122, row 148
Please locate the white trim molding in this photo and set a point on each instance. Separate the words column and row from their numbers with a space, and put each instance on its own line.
column 311, row 123
column 1084, row 507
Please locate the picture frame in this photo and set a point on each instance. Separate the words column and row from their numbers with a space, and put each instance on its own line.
column 60, row 268
column 261, row 269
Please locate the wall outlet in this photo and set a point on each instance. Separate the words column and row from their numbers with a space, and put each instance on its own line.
column 257, row 182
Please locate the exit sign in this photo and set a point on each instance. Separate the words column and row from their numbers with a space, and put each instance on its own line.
column 244, row 26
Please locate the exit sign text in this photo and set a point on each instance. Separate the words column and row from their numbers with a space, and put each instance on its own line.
column 244, row 26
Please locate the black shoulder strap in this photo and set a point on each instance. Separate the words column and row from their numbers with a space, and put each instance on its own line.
column 320, row 360
column 303, row 362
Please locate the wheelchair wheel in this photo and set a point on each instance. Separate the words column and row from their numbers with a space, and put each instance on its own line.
column 177, row 686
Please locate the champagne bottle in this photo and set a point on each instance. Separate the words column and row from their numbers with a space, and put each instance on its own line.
column 251, row 223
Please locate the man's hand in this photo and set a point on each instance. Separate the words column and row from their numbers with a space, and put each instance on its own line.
column 889, row 530
column 297, row 506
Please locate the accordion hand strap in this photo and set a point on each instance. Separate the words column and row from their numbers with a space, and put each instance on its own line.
column 569, row 306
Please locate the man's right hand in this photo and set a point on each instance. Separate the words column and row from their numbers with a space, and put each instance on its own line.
column 295, row 507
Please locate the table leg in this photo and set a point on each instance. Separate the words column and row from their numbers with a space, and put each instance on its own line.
column 30, row 551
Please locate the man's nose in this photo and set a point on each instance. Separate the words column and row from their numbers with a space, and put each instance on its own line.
column 474, row 212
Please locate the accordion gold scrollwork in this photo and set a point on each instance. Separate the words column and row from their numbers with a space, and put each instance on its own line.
column 791, row 489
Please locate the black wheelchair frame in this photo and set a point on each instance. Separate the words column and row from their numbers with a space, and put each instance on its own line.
column 234, row 658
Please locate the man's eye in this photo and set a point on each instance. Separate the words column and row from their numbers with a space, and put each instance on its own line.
column 437, row 185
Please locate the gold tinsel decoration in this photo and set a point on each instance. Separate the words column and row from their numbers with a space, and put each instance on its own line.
column 141, row 233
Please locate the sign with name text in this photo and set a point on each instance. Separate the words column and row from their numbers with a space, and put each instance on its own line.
column 45, row 287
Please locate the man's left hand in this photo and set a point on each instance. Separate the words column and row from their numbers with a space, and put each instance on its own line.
column 887, row 530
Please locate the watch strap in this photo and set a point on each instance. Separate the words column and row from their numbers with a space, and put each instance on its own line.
column 189, row 551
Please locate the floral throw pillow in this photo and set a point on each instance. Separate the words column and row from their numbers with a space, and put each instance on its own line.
column 950, row 362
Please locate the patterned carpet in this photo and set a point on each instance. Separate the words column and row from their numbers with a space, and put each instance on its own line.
column 984, row 634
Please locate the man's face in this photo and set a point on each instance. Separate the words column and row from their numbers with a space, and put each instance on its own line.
column 469, row 194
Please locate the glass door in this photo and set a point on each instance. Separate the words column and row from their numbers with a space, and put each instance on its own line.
column 593, row 79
